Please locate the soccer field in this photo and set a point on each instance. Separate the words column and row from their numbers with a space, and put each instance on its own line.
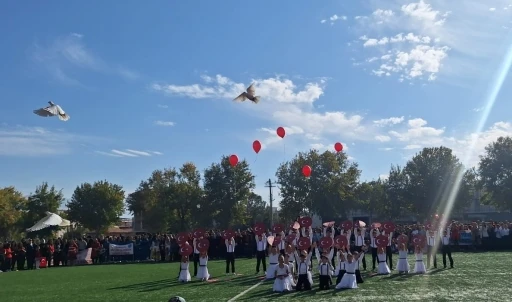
column 476, row 277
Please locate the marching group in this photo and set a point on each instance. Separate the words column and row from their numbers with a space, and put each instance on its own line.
column 341, row 256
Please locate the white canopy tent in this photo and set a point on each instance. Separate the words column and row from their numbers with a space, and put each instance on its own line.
column 51, row 219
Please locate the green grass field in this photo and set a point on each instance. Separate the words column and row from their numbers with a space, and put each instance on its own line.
column 476, row 277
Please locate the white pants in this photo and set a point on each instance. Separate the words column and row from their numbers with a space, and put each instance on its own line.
column 38, row 262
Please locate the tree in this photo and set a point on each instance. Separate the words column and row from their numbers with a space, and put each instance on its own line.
column 44, row 199
column 398, row 203
column 372, row 198
column 96, row 206
column 257, row 210
column 227, row 190
column 329, row 192
column 12, row 204
column 186, row 192
column 431, row 175
column 495, row 171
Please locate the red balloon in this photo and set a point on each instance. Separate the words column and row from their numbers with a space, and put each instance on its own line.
column 338, row 147
column 280, row 132
column 256, row 146
column 233, row 160
column 306, row 170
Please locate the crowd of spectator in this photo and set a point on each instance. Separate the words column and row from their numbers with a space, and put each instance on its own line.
column 27, row 254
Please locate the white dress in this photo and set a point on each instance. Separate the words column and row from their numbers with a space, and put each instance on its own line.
column 271, row 269
column 349, row 278
column 291, row 271
column 184, row 272
column 202, row 272
column 383, row 268
column 419, row 266
column 282, row 285
column 402, row 264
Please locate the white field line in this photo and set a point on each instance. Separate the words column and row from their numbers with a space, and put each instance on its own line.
column 246, row 291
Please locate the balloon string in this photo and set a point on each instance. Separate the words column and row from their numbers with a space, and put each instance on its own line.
column 255, row 158
column 284, row 151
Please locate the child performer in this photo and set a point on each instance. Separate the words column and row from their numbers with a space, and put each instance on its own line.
column 230, row 255
column 402, row 265
column 282, row 244
column 389, row 251
column 261, row 247
column 340, row 267
column 359, row 234
column 431, row 248
column 374, row 233
column 325, row 269
column 184, row 272
column 419, row 266
column 349, row 278
column 282, row 274
column 329, row 232
column 273, row 258
column 202, row 272
column 304, row 271
column 291, row 270
column 383, row 268
column 309, row 234
column 360, row 257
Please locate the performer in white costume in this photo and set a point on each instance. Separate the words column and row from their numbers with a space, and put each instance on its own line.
column 402, row 265
column 184, row 272
column 419, row 266
column 202, row 272
column 281, row 275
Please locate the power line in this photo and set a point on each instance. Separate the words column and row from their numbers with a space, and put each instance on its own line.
column 270, row 186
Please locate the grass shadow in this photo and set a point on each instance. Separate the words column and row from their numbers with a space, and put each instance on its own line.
column 147, row 286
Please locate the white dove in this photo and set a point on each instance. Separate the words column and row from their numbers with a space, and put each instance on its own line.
column 52, row 110
column 250, row 95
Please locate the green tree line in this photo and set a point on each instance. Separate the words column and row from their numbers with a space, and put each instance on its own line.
column 176, row 199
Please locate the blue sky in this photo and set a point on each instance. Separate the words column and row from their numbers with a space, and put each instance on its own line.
column 155, row 80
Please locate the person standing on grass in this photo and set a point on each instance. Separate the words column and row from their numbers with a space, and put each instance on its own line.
column 304, row 272
column 373, row 245
column 446, row 248
column 325, row 272
column 431, row 248
column 261, row 258
column 389, row 251
column 196, row 255
column 230, row 254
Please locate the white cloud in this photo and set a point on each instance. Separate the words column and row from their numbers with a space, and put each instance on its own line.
column 163, row 106
column 389, row 121
column 284, row 104
column 383, row 138
column 22, row 141
column 64, row 54
column 412, row 147
column 334, row 18
column 437, row 39
column 492, row 9
column 383, row 176
column 165, row 124
column 128, row 153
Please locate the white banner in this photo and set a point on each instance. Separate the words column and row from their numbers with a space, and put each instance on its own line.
column 120, row 249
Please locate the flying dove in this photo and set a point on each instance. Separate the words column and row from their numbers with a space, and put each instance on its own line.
column 52, row 110
column 250, row 95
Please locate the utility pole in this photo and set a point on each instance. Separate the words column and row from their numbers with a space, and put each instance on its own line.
column 269, row 185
